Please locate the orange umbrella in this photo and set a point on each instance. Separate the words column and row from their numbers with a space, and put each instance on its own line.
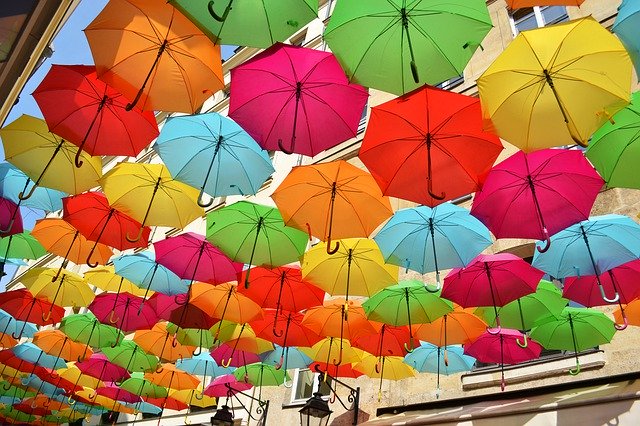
column 172, row 378
column 517, row 4
column 59, row 237
column 629, row 313
column 6, row 341
column 44, row 401
column 332, row 201
column 154, row 55
column 161, row 342
column 58, row 344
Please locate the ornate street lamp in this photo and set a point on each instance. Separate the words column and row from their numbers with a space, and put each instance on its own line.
column 316, row 411
column 223, row 417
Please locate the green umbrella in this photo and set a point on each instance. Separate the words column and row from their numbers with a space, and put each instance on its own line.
column 130, row 356
column 7, row 389
column 85, row 328
column 19, row 416
column 523, row 313
column 399, row 45
column 406, row 303
column 256, row 23
column 574, row 329
column 255, row 234
column 193, row 337
column 615, row 147
column 260, row 375
column 20, row 246
column 138, row 385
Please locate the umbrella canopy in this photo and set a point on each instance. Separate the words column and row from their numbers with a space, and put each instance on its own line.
column 220, row 386
column 396, row 46
column 387, row 367
column 139, row 384
column 106, row 279
column 260, row 375
column 130, row 356
column 246, row 23
column 20, row 246
column 629, row 313
column 286, row 357
column 428, row 146
column 213, row 153
column 202, row 365
column 196, row 337
column 9, row 325
column 429, row 358
column 99, row 366
column 10, row 218
column 553, row 188
column 146, row 49
column 295, row 99
column 385, row 341
column 69, row 290
column 125, row 311
column 58, row 344
column 13, row 182
column 460, row 326
column 225, row 302
column 147, row 193
column 626, row 21
column 85, row 111
column 555, row 86
column 329, row 200
column 159, row 341
column 46, row 158
column 24, row 306
column 427, row 239
column 172, row 378
column 85, row 328
column 613, row 147
column 331, row 349
column 574, row 329
column 284, row 328
column 143, row 270
column 228, row 356
column 172, row 308
column 193, row 397
column 254, row 234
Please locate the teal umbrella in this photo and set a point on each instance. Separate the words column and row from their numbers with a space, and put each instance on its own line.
column 429, row 358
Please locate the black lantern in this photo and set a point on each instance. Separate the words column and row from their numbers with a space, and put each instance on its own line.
column 223, row 417
column 316, row 411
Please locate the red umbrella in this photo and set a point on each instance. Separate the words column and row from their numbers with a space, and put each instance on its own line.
column 231, row 356
column 491, row 280
column 503, row 348
column 124, row 311
column 99, row 366
column 428, row 146
column 91, row 214
column 296, row 100
column 183, row 315
column 21, row 305
column 538, row 194
column 284, row 328
column 35, row 411
column 10, row 218
column 167, row 403
column 226, row 385
column 386, row 341
column 88, row 113
column 342, row 370
column 118, row 394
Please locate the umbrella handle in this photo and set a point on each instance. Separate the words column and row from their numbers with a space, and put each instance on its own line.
column 174, row 341
column 283, row 149
column 22, row 196
column 47, row 316
column 202, row 203
column 497, row 330
column 377, row 367
column 436, row 196
column 112, row 318
column 198, row 396
column 624, row 324
column 339, row 360
column 278, row 366
column 288, row 384
column 523, row 344
column 11, row 222
column 198, row 351
column 604, row 296
column 137, row 238
column 176, row 299
column 275, row 333
column 331, row 251
column 445, row 357
column 547, row 242
column 503, row 384
column 437, row 289
column 414, row 72
column 71, row 401
column 78, row 162
column 159, row 368
column 217, row 17
column 6, row 389
column 226, row 364
column 409, row 349
column 308, row 231
column 575, row 371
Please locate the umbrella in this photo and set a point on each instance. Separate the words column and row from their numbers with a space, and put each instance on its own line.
column 428, row 146
column 557, row 85
column 502, row 348
column 228, row 356
column 46, row 158
column 425, row 239
column 330, row 200
column 193, row 397
column 172, row 378
column 138, row 384
column 629, row 313
column 85, row 328
column 10, row 218
column 106, row 279
column 624, row 27
column 254, row 234
column 613, row 147
column 244, row 23
column 427, row 358
column 31, row 353
column 491, row 280
column 147, row 192
column 213, row 153
column 295, row 99
column 124, row 310
column 284, row 328
column 395, row 46
column 387, row 340
column 196, row 337
column 221, row 386
column 554, row 188
column 170, row 308
column 154, row 342
column 591, row 247
column 154, row 56
column 20, row 246
column 202, row 365
column 91, row 214
column 9, row 325
column 24, row 306
column 290, row 357
column 406, row 303
column 60, row 238
column 58, row 344
column 130, row 356
column 260, row 375
column 356, row 269
column 388, row 367
column 116, row 393
column 574, row 329
column 88, row 113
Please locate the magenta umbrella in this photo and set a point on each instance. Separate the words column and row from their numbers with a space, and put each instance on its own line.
column 538, row 194
column 226, row 385
column 118, row 394
column 503, row 348
column 183, row 315
column 229, row 356
column 99, row 367
column 491, row 280
column 296, row 100
column 10, row 218
column 124, row 311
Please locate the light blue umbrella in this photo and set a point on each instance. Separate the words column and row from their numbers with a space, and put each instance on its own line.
column 293, row 358
column 144, row 407
column 10, row 325
column 42, row 386
column 429, row 358
column 203, row 365
column 626, row 28
column 426, row 239
column 213, row 153
column 33, row 354
column 13, row 181
column 143, row 270
column 591, row 247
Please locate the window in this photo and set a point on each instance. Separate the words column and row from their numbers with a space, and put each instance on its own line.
column 529, row 18
column 451, row 83
column 298, row 39
column 363, row 119
column 305, row 384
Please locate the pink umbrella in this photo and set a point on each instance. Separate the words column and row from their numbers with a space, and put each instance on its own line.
column 124, row 311
column 538, row 194
column 184, row 315
column 502, row 348
column 190, row 256
column 296, row 100
column 99, row 367
column 226, row 385
column 491, row 280
column 230, row 356
column 10, row 218
column 114, row 392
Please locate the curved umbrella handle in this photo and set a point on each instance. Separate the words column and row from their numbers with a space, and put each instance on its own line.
column 13, row 334
column 71, row 401
column 547, row 242
column 198, row 396
column 275, row 333
column 377, row 366
column 174, row 341
column 47, row 316
column 22, row 196
column 339, row 360
column 202, row 203
column 495, row 331
column 523, row 344
column 186, row 420
column 58, row 272
column 283, row 149
column 604, row 296
column 176, row 299
column 410, row 348
column 6, row 388
column 445, row 357
column 112, row 318
column 226, row 364
column 33, row 404
column 137, row 238
column 159, row 368
column 91, row 265
column 217, row 17
column 78, row 162
column 437, row 289
column 11, row 222
column 625, row 323
column 280, row 363
column 331, row 251
column 198, row 351
column 287, row 384
column 575, row 371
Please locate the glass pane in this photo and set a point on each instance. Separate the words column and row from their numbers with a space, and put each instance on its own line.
column 304, row 385
column 528, row 22
column 554, row 14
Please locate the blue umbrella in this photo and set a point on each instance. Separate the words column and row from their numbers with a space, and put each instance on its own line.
column 293, row 357
column 42, row 386
column 439, row 359
column 213, row 153
column 10, row 325
column 626, row 28
column 33, row 354
column 143, row 270
column 426, row 239
column 591, row 247
column 144, row 407
column 203, row 365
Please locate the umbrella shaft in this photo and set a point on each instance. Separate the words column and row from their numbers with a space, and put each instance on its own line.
column 161, row 50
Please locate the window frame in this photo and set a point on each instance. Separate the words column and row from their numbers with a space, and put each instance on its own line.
column 540, row 21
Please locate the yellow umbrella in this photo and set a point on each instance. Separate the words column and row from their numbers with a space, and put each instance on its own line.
column 148, row 194
column 387, row 367
column 46, row 158
column 74, row 375
column 556, row 85
column 193, row 397
column 90, row 395
column 328, row 351
column 106, row 279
